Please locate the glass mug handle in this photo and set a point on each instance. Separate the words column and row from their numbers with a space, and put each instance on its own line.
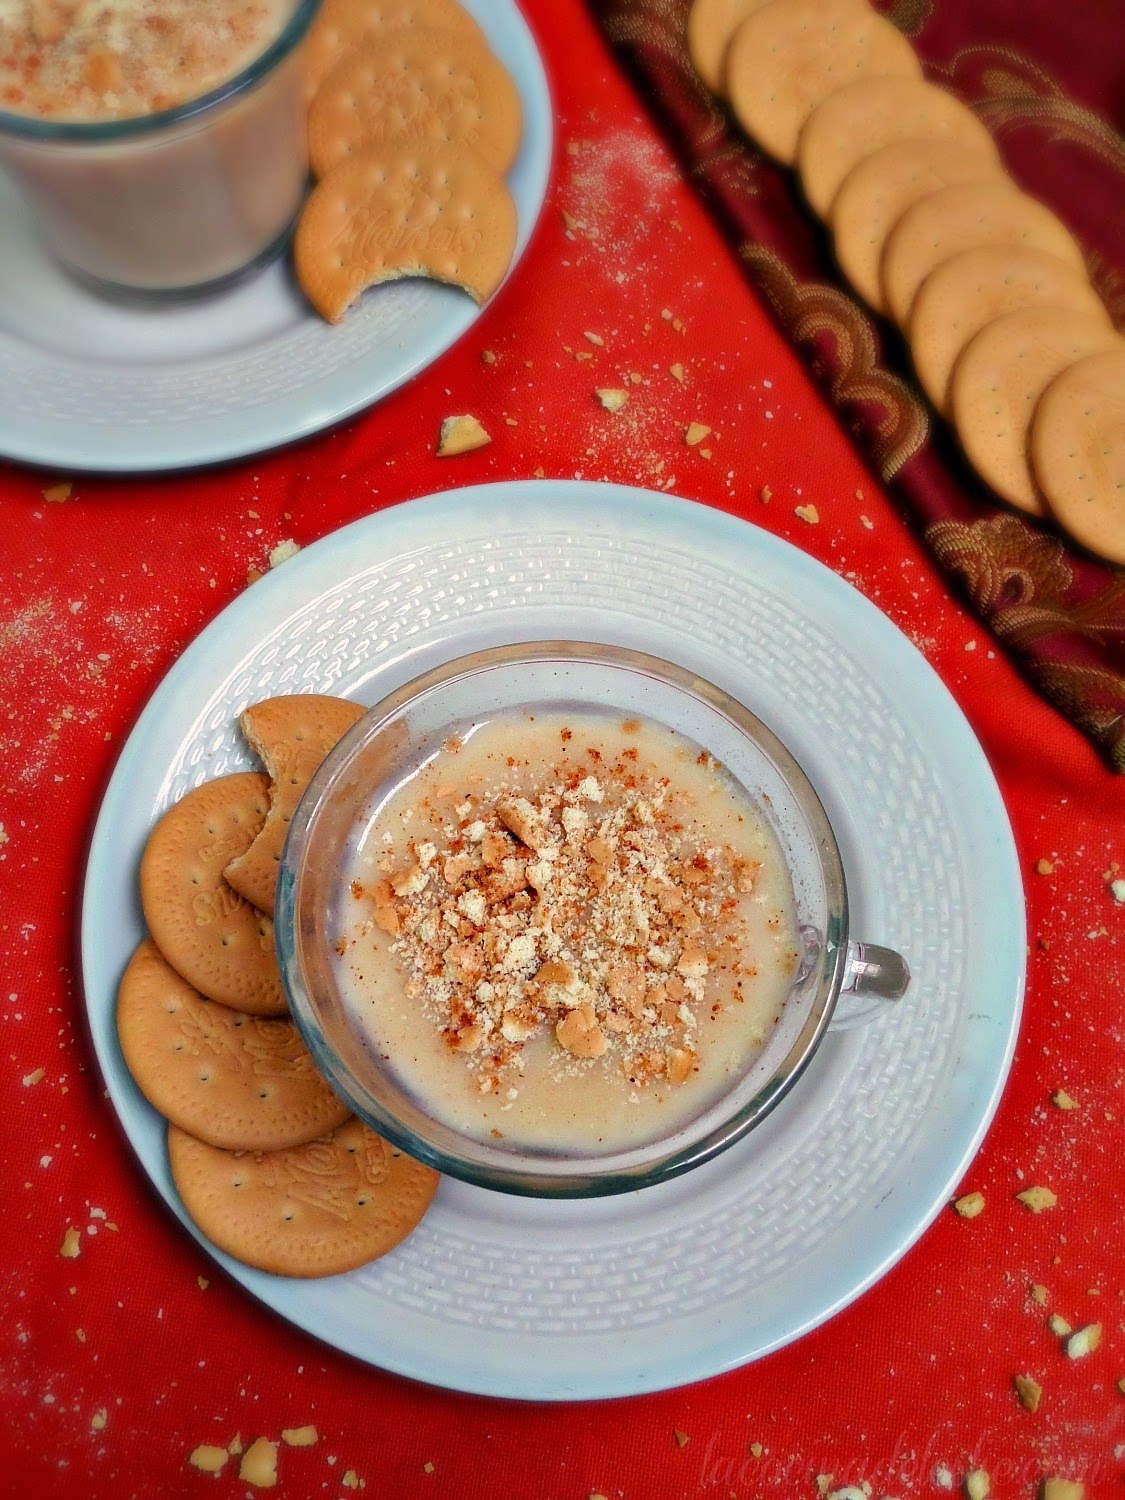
column 873, row 976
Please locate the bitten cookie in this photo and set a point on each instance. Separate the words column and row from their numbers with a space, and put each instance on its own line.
column 344, row 26
column 960, row 218
column 291, row 736
column 870, row 113
column 973, row 289
column 315, row 1210
column 791, row 54
column 238, row 1082
column 404, row 211
column 999, row 379
column 1078, row 451
column 416, row 87
column 877, row 192
column 210, row 934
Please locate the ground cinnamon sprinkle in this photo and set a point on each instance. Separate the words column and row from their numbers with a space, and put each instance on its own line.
column 573, row 908
column 110, row 59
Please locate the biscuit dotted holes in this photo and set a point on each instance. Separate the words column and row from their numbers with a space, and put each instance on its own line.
column 205, row 1077
column 361, row 1202
column 288, row 1217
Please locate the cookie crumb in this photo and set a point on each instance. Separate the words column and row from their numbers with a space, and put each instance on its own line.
column 765, row 494
column 202, row 1283
column 612, row 400
column 208, row 1459
column 55, row 494
column 259, row 1464
column 283, row 552
column 756, row 1450
column 99, row 1419
column 807, row 513
column 681, row 1437
column 1029, row 1392
column 462, row 434
column 31, row 1079
column 1058, row 1325
column 677, row 372
column 977, row 1485
column 299, row 1437
column 1084, row 1342
column 695, row 432
column 1037, row 1199
column 487, row 357
column 71, row 1245
column 1038, row 1293
column 1063, row 1489
column 427, row 1468
column 1044, row 867
column 1062, row 1100
column 970, row 1205
column 1117, row 891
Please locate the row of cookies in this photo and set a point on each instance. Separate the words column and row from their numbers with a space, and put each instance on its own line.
column 413, row 124
column 268, row 1162
column 987, row 285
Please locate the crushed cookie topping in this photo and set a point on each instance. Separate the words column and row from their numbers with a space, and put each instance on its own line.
column 577, row 911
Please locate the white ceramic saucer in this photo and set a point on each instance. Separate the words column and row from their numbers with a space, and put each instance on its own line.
column 86, row 384
column 555, row 1300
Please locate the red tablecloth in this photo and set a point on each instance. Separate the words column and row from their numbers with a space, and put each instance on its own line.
column 115, row 1365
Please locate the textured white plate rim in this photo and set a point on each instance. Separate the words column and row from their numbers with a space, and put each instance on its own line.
column 397, row 532
column 167, row 446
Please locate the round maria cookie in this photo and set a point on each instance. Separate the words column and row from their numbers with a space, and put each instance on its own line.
column 710, row 26
column 972, row 289
column 871, row 113
column 416, row 87
column 210, row 934
column 998, row 381
column 960, row 218
column 291, row 736
column 790, row 55
column 404, row 210
column 1078, row 451
column 343, row 26
column 877, row 192
column 240, row 1082
column 314, row 1210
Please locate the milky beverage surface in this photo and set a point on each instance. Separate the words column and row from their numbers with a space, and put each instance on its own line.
column 565, row 932
column 95, row 60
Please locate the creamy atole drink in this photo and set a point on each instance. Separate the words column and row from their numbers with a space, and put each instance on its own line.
column 129, row 201
column 567, row 932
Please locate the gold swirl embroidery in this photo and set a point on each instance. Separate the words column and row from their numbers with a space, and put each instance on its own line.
column 1019, row 579
column 839, row 338
column 910, row 16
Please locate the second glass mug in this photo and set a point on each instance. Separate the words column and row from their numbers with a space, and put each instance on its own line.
column 178, row 202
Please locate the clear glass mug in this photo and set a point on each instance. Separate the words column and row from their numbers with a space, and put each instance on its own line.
column 839, row 983
column 178, row 202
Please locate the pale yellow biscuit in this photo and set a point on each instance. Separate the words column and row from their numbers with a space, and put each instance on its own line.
column 404, row 211
column 210, row 934
column 343, row 26
column 1078, row 451
column 998, row 380
column 870, row 113
column 314, row 1210
column 710, row 26
column 416, row 87
column 960, row 218
column 976, row 287
column 243, row 1083
column 291, row 736
column 789, row 56
column 877, row 192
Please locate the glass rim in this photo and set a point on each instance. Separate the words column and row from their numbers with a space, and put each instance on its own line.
column 33, row 130
column 534, row 1176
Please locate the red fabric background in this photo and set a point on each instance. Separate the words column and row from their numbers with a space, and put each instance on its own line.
column 98, row 595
